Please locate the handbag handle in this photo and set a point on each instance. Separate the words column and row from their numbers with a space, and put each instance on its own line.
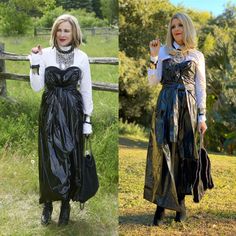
column 88, row 145
column 201, row 140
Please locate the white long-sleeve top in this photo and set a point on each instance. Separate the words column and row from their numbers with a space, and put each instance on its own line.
column 155, row 75
column 48, row 58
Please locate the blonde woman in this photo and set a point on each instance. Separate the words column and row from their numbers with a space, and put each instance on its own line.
column 64, row 115
column 180, row 112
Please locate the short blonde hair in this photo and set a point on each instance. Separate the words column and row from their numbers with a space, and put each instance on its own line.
column 189, row 32
column 76, row 31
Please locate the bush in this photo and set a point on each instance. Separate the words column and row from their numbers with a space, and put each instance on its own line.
column 134, row 129
column 137, row 99
column 85, row 19
column 13, row 21
column 49, row 17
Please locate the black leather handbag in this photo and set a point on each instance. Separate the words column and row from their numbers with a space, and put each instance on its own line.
column 203, row 178
column 89, row 179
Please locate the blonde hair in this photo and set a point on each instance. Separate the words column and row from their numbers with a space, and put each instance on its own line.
column 76, row 31
column 189, row 36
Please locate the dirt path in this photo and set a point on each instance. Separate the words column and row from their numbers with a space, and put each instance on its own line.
column 215, row 215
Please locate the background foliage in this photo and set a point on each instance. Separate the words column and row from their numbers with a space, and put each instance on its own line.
column 18, row 17
column 140, row 23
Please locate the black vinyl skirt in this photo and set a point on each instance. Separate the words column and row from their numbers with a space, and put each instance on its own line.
column 172, row 152
column 60, row 135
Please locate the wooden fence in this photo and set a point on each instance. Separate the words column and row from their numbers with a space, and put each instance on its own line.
column 19, row 77
column 104, row 31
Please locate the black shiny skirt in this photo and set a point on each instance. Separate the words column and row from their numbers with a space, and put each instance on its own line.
column 60, row 143
column 172, row 151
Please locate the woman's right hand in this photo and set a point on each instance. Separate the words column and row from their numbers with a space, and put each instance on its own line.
column 154, row 46
column 37, row 50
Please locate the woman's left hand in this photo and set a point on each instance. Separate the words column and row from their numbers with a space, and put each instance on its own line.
column 202, row 127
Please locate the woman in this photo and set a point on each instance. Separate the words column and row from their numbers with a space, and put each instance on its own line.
column 180, row 111
column 64, row 114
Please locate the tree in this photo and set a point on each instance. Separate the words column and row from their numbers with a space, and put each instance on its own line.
column 15, row 15
column 96, row 4
column 136, row 97
column 218, row 42
column 75, row 4
column 138, row 25
column 110, row 10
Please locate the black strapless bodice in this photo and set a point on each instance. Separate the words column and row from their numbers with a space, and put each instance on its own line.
column 55, row 77
column 182, row 73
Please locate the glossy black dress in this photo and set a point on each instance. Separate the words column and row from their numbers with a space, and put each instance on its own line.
column 60, row 134
column 172, row 152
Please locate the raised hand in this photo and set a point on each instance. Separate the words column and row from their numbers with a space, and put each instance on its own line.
column 154, row 46
column 37, row 50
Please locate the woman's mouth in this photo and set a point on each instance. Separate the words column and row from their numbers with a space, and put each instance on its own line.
column 62, row 40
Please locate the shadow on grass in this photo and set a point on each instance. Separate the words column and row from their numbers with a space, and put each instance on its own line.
column 142, row 219
column 146, row 219
column 80, row 227
column 131, row 143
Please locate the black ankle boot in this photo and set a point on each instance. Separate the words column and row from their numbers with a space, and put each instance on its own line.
column 65, row 213
column 181, row 215
column 47, row 213
column 158, row 217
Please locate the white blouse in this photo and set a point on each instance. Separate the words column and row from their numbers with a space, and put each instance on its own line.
column 48, row 58
column 155, row 75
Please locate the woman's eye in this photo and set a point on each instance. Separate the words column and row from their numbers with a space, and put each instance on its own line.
column 180, row 25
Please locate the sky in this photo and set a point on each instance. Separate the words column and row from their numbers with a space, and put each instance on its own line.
column 214, row 6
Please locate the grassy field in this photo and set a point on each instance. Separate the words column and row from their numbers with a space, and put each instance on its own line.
column 214, row 215
column 19, row 208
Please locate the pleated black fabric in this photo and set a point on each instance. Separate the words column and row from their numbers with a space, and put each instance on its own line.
column 172, row 151
column 60, row 134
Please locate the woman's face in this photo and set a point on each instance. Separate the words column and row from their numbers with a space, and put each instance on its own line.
column 64, row 34
column 177, row 31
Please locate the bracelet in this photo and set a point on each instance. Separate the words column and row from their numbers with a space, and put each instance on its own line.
column 35, row 69
column 152, row 65
column 87, row 122
column 201, row 111
column 34, row 66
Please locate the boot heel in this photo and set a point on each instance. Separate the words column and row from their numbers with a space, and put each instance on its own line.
column 47, row 213
column 64, row 213
column 159, row 215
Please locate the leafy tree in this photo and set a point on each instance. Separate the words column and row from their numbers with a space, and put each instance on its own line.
column 139, row 23
column 110, row 10
column 88, row 19
column 136, row 97
column 218, row 42
column 50, row 16
column 15, row 14
column 96, row 4
column 75, row 4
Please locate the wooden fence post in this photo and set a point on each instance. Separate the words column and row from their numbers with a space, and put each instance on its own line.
column 3, row 85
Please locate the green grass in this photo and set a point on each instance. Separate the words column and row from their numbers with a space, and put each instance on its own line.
column 19, row 208
column 214, row 215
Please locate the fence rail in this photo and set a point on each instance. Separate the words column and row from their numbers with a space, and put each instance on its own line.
column 101, row 86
